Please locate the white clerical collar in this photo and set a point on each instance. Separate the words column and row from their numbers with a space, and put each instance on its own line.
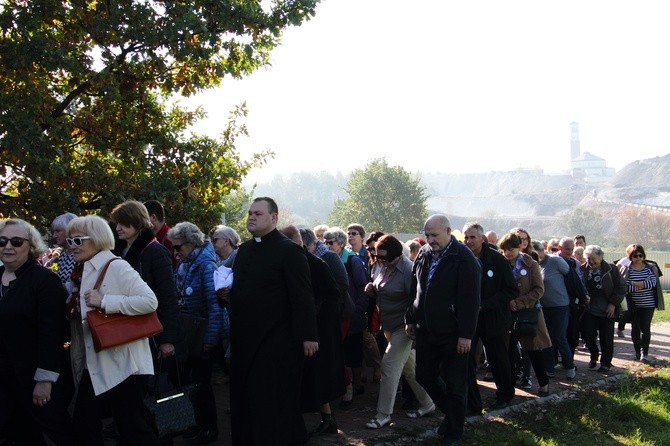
column 258, row 239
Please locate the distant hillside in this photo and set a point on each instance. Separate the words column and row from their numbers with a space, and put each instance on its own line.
column 516, row 193
column 529, row 197
column 645, row 182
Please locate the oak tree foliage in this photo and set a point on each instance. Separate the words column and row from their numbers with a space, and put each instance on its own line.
column 87, row 110
column 382, row 198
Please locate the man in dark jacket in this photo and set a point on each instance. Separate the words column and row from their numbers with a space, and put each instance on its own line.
column 443, row 320
column 273, row 326
column 495, row 318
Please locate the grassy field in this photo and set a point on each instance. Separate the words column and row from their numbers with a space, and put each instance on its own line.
column 634, row 411
column 663, row 316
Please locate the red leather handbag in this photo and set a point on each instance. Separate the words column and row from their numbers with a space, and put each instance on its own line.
column 110, row 330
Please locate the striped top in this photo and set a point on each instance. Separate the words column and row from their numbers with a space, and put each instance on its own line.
column 646, row 297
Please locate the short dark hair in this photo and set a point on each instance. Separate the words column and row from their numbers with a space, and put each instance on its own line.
column 154, row 207
column 391, row 245
column 131, row 213
column 373, row 237
column 272, row 205
column 357, row 227
column 579, row 236
column 308, row 236
column 510, row 241
column 632, row 249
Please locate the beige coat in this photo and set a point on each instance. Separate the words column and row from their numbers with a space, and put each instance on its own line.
column 531, row 289
column 124, row 292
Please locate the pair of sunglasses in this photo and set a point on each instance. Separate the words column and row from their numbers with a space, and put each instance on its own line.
column 76, row 241
column 15, row 241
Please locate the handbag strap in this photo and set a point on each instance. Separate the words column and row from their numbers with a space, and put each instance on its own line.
column 160, row 371
column 103, row 271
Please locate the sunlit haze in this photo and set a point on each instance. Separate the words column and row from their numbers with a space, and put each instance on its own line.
column 446, row 86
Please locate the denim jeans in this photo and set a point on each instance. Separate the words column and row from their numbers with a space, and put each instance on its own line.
column 556, row 319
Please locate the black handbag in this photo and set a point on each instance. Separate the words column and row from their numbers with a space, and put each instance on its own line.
column 171, row 412
column 525, row 322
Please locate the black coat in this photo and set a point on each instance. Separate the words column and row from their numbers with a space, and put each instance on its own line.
column 271, row 313
column 450, row 305
column 323, row 374
column 499, row 287
column 32, row 323
column 153, row 262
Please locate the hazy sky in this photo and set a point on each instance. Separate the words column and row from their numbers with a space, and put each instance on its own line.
column 458, row 86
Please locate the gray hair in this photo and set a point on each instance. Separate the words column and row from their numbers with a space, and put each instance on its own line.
column 336, row 233
column 308, row 236
column 473, row 225
column 187, row 232
column 37, row 245
column 565, row 240
column 593, row 249
column 62, row 221
column 227, row 233
column 537, row 245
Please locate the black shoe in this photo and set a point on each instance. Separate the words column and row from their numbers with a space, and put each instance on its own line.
column 473, row 412
column 326, row 426
column 344, row 404
column 593, row 363
column 205, row 436
column 191, row 432
column 499, row 404
column 443, row 429
column 359, row 390
column 604, row 369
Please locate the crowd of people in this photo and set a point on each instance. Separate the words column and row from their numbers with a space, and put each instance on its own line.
column 299, row 315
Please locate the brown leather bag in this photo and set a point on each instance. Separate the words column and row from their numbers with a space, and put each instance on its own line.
column 110, row 330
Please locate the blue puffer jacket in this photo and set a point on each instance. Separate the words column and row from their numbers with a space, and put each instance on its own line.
column 199, row 297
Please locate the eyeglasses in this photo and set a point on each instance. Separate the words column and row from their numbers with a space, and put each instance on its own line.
column 77, row 241
column 176, row 247
column 635, row 256
column 352, row 233
column 553, row 249
column 329, row 242
column 382, row 257
column 15, row 241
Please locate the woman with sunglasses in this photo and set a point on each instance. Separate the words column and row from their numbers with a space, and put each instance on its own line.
column 642, row 277
column 197, row 297
column 116, row 376
column 32, row 327
column 606, row 288
column 392, row 288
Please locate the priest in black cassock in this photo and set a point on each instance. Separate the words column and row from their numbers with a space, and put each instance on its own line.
column 273, row 327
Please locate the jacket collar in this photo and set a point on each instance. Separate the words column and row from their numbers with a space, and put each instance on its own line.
column 100, row 259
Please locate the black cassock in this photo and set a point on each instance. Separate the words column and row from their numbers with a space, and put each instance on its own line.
column 271, row 313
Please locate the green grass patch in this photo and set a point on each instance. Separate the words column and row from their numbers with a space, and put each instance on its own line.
column 634, row 411
column 664, row 315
